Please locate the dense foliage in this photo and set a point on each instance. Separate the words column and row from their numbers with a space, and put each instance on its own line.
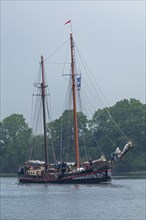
column 14, row 142
column 109, row 128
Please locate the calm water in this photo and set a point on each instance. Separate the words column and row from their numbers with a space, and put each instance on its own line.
column 123, row 199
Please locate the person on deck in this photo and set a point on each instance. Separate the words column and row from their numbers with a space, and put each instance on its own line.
column 63, row 167
column 113, row 158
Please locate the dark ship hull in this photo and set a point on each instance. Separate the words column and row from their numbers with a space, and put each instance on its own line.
column 92, row 175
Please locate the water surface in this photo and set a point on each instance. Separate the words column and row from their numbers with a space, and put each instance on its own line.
column 122, row 199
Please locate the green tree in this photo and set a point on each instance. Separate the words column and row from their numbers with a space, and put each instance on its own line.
column 37, row 148
column 130, row 116
column 62, row 133
column 15, row 142
column 109, row 128
column 116, row 125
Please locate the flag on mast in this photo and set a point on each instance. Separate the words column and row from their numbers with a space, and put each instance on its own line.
column 79, row 83
column 67, row 22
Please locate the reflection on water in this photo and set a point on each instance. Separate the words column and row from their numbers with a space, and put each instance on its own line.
column 121, row 199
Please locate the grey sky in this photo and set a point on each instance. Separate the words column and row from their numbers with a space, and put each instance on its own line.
column 110, row 34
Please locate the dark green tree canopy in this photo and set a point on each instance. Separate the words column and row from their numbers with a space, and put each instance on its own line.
column 109, row 128
column 14, row 141
column 15, row 125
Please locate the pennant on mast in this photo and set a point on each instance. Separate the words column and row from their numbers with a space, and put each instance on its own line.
column 69, row 21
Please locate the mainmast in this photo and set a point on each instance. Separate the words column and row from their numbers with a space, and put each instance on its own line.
column 43, row 86
column 74, row 101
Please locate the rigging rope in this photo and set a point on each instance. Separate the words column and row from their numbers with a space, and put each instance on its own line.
column 49, row 118
column 92, row 132
column 96, row 95
column 66, row 105
column 87, row 104
column 83, row 137
column 56, row 50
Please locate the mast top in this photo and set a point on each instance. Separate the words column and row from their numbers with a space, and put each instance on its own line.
column 42, row 58
column 69, row 22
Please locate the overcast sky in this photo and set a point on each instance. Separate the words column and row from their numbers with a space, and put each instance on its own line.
column 110, row 34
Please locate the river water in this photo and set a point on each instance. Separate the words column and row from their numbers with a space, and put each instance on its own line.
column 122, row 199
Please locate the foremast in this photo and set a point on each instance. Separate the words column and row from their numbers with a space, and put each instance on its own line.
column 43, row 86
column 74, row 100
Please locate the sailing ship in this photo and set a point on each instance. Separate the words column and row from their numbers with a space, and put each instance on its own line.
column 92, row 171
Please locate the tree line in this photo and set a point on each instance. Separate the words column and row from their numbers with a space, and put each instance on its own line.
column 109, row 128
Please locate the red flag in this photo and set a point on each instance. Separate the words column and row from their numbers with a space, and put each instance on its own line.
column 67, row 22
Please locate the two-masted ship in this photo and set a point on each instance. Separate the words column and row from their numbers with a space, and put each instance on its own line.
column 95, row 171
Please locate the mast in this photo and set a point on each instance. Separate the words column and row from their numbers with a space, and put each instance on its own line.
column 74, row 101
column 43, row 86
